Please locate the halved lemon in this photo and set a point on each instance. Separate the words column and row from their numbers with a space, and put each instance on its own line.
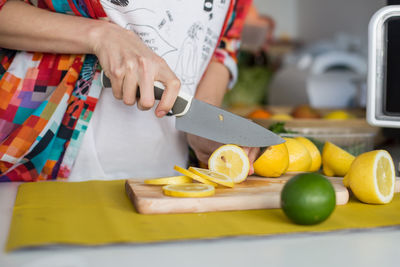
column 273, row 162
column 169, row 180
column 194, row 176
column 314, row 153
column 299, row 157
column 230, row 160
column 216, row 177
column 335, row 160
column 189, row 190
column 371, row 177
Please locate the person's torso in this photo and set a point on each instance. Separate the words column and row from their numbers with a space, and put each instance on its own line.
column 123, row 142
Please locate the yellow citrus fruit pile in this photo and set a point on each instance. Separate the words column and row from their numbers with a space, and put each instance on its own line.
column 228, row 165
column 300, row 154
column 297, row 154
column 370, row 176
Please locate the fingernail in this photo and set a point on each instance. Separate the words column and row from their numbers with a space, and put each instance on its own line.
column 161, row 113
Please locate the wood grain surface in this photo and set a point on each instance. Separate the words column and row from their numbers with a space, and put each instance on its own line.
column 254, row 193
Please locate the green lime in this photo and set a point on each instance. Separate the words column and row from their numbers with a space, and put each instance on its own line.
column 308, row 198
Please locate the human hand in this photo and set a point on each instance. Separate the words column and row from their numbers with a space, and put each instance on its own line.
column 203, row 148
column 252, row 153
column 129, row 63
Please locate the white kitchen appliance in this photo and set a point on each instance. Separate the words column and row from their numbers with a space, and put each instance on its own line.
column 327, row 74
column 383, row 107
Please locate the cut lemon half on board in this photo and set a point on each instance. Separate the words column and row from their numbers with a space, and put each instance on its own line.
column 273, row 162
column 299, row 157
column 216, row 177
column 230, row 160
column 169, row 180
column 194, row 176
column 314, row 153
column 189, row 190
column 335, row 160
column 371, row 177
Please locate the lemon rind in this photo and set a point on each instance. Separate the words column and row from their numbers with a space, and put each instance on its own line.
column 169, row 180
column 214, row 179
column 170, row 191
column 194, row 176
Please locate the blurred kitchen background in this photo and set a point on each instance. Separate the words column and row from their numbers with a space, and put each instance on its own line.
column 300, row 51
column 304, row 62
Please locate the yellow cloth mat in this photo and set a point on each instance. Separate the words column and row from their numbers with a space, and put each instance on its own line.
column 99, row 212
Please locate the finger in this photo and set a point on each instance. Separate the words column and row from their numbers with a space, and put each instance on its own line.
column 115, row 73
column 146, row 84
column 252, row 153
column 116, row 78
column 172, row 86
column 129, row 86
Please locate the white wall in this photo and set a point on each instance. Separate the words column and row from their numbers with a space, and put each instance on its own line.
column 310, row 20
column 284, row 12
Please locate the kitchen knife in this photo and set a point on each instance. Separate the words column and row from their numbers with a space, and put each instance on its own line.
column 208, row 121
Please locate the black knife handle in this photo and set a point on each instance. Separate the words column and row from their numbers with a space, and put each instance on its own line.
column 182, row 102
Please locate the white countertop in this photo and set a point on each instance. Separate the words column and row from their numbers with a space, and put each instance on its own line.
column 375, row 247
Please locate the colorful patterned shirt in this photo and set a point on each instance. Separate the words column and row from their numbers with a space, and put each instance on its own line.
column 47, row 100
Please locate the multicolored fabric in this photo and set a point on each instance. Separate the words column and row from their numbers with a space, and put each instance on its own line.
column 227, row 50
column 47, row 100
column 2, row 2
column 45, row 107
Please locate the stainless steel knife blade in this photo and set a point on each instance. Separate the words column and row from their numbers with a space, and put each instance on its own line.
column 199, row 118
column 222, row 126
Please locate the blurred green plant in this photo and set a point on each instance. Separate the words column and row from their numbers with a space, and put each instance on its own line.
column 252, row 85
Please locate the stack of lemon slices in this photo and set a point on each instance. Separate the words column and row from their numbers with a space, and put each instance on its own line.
column 228, row 165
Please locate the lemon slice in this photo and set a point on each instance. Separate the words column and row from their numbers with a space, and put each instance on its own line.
column 273, row 162
column 335, row 160
column 314, row 153
column 372, row 177
column 194, row 176
column 216, row 177
column 189, row 190
column 169, row 180
column 230, row 160
column 299, row 157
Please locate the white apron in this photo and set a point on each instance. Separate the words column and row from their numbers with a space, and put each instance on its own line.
column 124, row 142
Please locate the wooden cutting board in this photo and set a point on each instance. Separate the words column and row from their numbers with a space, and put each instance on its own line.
column 254, row 193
